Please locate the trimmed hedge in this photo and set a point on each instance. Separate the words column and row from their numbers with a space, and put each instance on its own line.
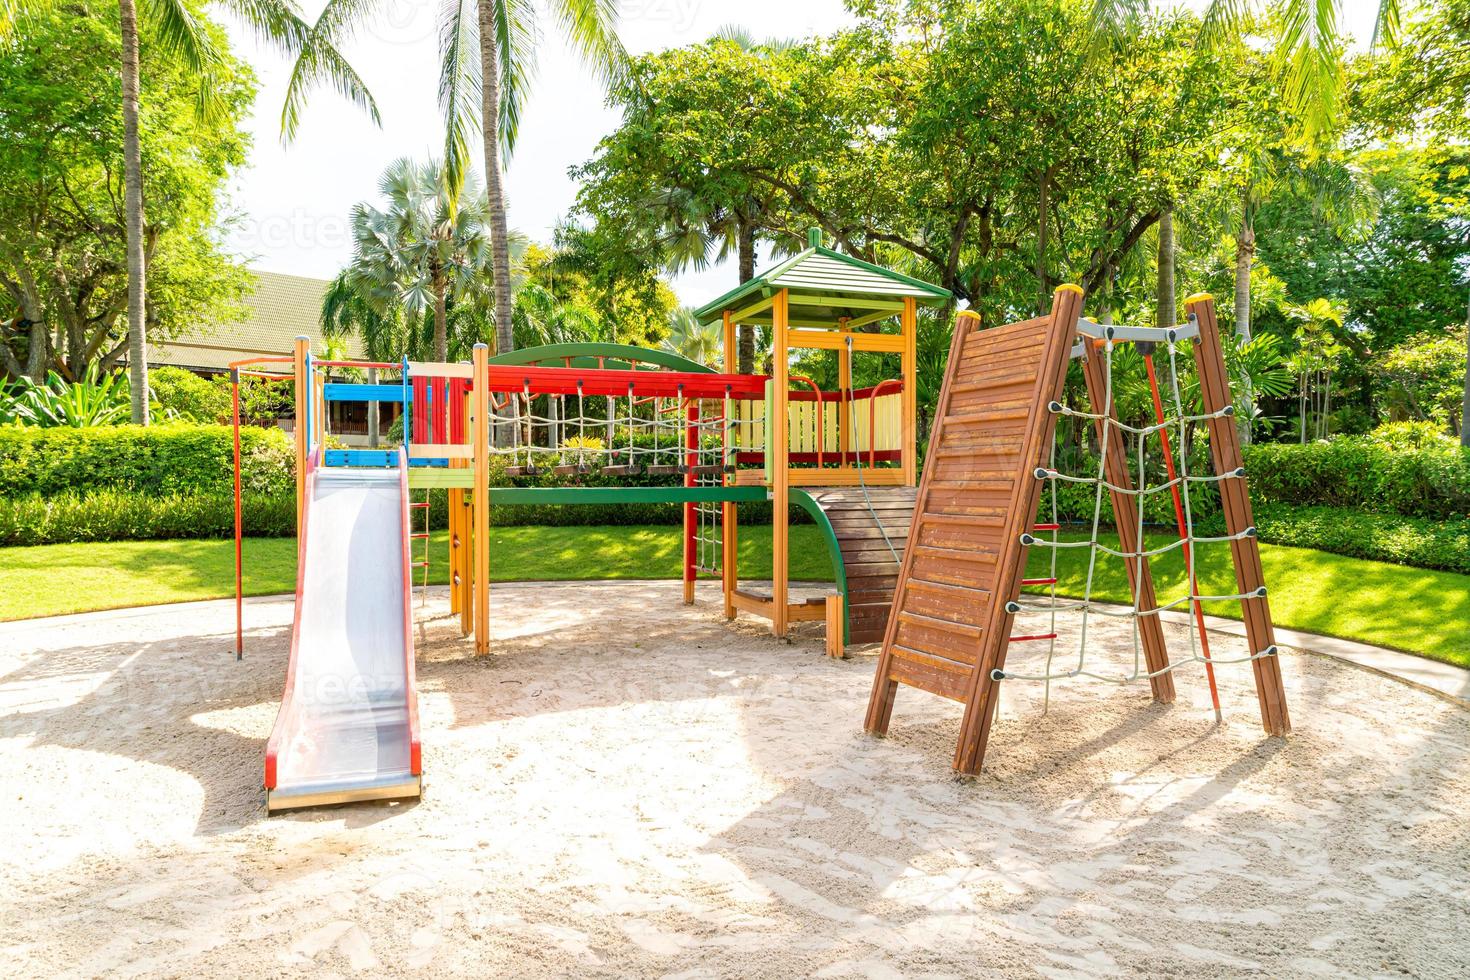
column 1360, row 472
column 176, row 458
column 124, row 515
column 1415, row 541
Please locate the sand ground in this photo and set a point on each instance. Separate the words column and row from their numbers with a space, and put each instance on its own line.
column 630, row 787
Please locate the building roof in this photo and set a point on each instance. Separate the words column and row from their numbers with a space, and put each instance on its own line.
column 829, row 278
column 280, row 309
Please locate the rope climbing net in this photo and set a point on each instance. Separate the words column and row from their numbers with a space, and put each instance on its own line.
column 1033, row 606
column 652, row 435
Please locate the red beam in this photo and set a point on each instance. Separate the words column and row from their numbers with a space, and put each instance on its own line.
column 594, row 381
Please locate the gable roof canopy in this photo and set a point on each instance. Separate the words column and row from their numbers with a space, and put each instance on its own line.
column 825, row 287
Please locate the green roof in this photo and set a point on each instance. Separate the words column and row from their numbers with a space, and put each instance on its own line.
column 834, row 284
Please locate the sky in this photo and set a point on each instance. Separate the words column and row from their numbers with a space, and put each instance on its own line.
column 294, row 201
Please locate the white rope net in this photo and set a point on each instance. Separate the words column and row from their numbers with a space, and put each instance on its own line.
column 1032, row 607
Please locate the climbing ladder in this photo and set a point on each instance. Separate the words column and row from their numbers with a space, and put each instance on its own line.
column 978, row 496
column 959, row 589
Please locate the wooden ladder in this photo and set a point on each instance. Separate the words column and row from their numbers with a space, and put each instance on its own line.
column 949, row 625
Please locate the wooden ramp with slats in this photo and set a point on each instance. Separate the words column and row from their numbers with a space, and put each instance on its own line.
column 949, row 625
column 860, row 523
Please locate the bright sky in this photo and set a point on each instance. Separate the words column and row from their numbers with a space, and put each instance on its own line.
column 295, row 200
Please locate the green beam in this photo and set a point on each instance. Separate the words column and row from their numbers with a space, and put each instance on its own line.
column 441, row 478
column 804, row 500
column 845, row 300
column 616, row 356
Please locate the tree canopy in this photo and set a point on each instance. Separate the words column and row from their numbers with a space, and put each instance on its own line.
column 62, row 224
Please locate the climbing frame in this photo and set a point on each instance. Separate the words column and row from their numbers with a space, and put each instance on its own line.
column 978, row 496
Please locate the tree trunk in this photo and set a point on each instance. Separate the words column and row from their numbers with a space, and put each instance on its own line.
column 1465, row 404
column 494, row 178
column 1165, row 316
column 1245, row 255
column 746, row 344
column 1043, row 299
column 441, row 322
column 1301, row 410
column 133, row 204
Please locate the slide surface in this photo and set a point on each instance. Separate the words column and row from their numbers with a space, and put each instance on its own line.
column 348, row 724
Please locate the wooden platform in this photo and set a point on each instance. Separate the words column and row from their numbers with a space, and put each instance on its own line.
column 859, row 523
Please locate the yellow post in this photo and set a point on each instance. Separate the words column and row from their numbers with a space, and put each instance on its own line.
column 301, row 426
column 780, row 477
column 730, row 552
column 480, row 432
column 844, row 407
column 319, row 409
column 834, row 620
column 910, row 400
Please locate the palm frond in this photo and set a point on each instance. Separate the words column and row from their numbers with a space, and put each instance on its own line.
column 460, row 86
column 276, row 22
column 181, row 30
column 1311, row 57
column 516, row 39
column 319, row 61
column 1223, row 19
column 1117, row 18
column 14, row 11
column 1387, row 25
column 592, row 28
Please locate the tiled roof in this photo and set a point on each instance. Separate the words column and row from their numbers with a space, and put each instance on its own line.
column 281, row 308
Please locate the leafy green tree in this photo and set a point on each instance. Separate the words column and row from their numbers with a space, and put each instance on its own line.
column 1425, row 85
column 63, row 223
column 986, row 143
column 679, row 216
column 489, row 51
column 1423, row 379
column 422, row 258
column 180, row 28
column 1307, row 38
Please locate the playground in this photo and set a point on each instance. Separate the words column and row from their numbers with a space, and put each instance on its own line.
column 692, row 798
column 932, row 753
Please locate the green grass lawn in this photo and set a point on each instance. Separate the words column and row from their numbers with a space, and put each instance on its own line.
column 1424, row 612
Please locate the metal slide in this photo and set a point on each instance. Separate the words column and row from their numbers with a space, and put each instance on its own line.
column 348, row 724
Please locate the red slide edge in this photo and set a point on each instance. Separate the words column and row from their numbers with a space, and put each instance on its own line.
column 288, row 704
column 410, row 691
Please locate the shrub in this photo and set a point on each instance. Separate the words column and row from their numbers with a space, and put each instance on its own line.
column 1355, row 471
column 121, row 515
column 95, row 399
column 1420, row 542
column 163, row 459
column 185, row 396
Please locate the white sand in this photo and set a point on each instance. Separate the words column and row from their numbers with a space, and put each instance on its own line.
column 631, row 787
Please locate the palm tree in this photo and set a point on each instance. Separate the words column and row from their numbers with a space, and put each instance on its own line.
column 489, row 49
column 1309, row 45
column 1317, row 354
column 540, row 319
column 421, row 259
column 692, row 339
column 183, row 32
